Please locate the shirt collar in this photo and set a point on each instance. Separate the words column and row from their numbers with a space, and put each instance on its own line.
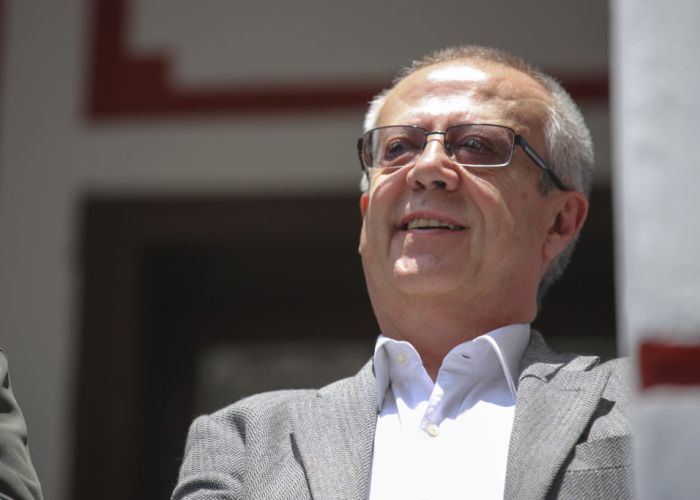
column 395, row 358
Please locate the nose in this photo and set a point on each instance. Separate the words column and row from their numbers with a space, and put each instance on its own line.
column 433, row 168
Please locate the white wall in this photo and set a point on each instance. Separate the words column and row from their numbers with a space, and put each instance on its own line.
column 657, row 183
column 51, row 155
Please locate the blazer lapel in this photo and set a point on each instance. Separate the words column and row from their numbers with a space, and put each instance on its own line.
column 334, row 435
column 556, row 397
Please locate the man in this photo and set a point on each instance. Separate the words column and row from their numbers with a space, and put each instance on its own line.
column 477, row 172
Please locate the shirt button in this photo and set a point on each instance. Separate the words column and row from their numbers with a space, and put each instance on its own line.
column 401, row 358
column 433, row 430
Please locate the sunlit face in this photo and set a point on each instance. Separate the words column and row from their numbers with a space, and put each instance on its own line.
column 440, row 230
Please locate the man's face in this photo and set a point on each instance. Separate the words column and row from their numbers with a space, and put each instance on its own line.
column 499, row 219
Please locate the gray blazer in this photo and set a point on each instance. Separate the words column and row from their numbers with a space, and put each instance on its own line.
column 18, row 479
column 570, row 438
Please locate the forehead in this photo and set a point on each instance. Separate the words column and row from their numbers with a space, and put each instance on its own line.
column 464, row 91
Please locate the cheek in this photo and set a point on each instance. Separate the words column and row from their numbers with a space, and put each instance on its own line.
column 511, row 215
column 496, row 189
column 530, row 231
column 387, row 182
column 481, row 185
column 492, row 202
column 373, row 233
column 382, row 201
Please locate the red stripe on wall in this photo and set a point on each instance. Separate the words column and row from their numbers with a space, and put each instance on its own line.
column 127, row 85
column 666, row 364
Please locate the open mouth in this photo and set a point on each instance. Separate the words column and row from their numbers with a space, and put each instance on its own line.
column 423, row 224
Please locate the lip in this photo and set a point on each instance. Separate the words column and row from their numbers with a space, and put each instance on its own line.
column 426, row 214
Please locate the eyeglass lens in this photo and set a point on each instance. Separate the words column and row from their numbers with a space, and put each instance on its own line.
column 469, row 145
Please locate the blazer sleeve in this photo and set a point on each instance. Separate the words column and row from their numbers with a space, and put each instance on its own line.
column 18, row 479
column 211, row 467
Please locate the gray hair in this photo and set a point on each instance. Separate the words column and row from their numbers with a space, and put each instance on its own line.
column 568, row 143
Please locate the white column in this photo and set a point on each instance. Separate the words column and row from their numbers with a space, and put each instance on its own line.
column 656, row 132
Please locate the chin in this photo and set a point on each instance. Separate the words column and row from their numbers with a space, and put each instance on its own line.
column 424, row 281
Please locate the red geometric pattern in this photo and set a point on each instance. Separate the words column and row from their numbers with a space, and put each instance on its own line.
column 127, row 85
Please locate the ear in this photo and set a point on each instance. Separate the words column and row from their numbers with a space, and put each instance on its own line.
column 571, row 209
column 364, row 201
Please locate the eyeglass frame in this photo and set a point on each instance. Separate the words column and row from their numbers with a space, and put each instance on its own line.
column 518, row 140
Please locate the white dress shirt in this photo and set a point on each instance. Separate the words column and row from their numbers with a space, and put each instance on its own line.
column 447, row 439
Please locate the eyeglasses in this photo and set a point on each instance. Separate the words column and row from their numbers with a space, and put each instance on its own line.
column 468, row 145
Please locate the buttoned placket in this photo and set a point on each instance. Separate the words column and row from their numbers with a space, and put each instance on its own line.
column 427, row 414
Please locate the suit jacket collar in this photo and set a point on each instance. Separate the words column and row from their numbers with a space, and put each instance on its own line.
column 333, row 434
column 557, row 395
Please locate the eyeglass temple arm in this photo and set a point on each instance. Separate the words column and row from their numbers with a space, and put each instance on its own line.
column 530, row 152
column 359, row 154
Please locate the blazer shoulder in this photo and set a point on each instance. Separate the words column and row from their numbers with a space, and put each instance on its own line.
column 281, row 402
column 619, row 367
column 619, row 385
column 262, row 403
column 616, row 365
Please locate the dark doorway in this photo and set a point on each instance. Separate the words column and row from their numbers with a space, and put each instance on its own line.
column 169, row 282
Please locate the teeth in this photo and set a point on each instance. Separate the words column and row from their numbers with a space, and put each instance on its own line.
column 426, row 223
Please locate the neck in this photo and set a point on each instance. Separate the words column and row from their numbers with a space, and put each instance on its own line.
column 435, row 327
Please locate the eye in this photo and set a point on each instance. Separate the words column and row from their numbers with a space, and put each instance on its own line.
column 473, row 144
column 477, row 150
column 396, row 148
column 399, row 151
